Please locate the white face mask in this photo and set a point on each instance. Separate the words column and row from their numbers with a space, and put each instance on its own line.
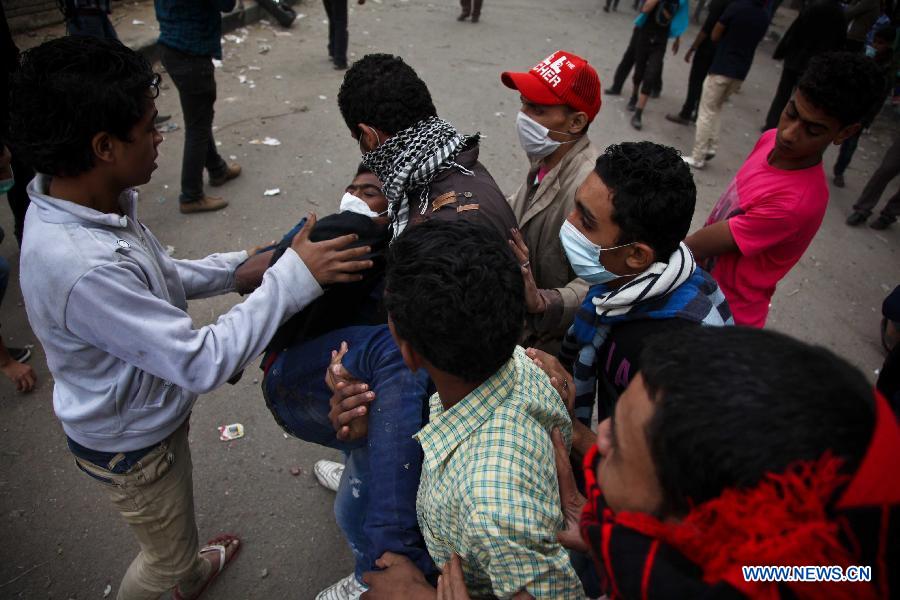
column 534, row 137
column 350, row 203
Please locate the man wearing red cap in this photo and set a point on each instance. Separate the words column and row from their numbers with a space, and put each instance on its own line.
column 560, row 98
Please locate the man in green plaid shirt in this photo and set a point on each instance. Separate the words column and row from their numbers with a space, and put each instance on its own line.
column 455, row 298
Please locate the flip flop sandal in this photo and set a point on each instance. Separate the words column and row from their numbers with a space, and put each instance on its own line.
column 214, row 545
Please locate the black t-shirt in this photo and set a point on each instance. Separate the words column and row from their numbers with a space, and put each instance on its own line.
column 655, row 29
column 619, row 358
column 745, row 24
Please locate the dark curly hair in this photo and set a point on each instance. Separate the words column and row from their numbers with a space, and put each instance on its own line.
column 653, row 194
column 455, row 292
column 846, row 85
column 68, row 90
column 383, row 91
column 733, row 404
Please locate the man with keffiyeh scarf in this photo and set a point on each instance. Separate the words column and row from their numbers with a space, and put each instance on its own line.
column 428, row 169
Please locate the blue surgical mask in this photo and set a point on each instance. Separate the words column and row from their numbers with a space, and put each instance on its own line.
column 584, row 255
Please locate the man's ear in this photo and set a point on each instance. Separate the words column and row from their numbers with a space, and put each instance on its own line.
column 579, row 122
column 640, row 257
column 103, row 147
column 369, row 137
column 846, row 133
column 412, row 359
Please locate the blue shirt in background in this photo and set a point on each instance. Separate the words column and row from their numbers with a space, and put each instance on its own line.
column 192, row 26
column 745, row 24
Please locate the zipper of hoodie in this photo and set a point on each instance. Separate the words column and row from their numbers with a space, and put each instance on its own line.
column 150, row 254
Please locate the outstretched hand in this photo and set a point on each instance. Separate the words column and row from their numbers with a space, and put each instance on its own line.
column 330, row 261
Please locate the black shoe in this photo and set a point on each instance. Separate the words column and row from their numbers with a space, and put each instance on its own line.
column 606, row 9
column 882, row 222
column 20, row 355
column 655, row 93
column 839, row 181
column 611, row 91
column 857, row 218
column 709, row 156
column 677, row 118
column 632, row 103
column 636, row 122
column 340, row 66
column 475, row 18
column 463, row 16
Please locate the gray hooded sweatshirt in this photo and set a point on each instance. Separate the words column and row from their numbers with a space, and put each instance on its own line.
column 109, row 305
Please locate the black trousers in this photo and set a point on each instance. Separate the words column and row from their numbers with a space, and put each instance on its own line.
column 337, row 30
column 649, row 55
column 700, row 65
column 18, row 195
column 786, row 85
column 194, row 76
column 638, row 48
column 889, row 168
column 627, row 62
column 472, row 7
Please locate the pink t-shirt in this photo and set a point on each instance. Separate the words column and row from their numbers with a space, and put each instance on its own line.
column 773, row 215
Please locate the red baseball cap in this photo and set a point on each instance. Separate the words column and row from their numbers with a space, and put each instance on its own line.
column 561, row 78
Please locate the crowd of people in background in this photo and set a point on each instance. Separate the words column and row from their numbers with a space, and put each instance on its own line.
column 560, row 394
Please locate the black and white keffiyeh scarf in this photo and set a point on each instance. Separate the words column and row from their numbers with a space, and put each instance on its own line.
column 412, row 158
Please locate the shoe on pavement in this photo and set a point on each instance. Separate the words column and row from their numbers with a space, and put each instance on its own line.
column 857, row 217
column 606, row 9
column 677, row 118
column 475, row 18
column 882, row 222
column 20, row 355
column 632, row 103
column 689, row 160
column 329, row 473
column 636, row 122
column 231, row 171
column 709, row 155
column 611, row 91
column 839, row 181
column 347, row 588
column 462, row 16
column 205, row 204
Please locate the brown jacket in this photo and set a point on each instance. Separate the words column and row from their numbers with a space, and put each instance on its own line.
column 454, row 195
column 541, row 211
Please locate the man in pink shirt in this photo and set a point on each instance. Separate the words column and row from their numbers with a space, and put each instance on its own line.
column 765, row 220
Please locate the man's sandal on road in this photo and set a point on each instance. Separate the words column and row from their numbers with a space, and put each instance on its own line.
column 216, row 544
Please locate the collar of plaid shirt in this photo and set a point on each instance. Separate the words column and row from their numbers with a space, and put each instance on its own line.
column 447, row 429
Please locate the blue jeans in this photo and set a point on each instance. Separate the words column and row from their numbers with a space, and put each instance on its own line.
column 376, row 502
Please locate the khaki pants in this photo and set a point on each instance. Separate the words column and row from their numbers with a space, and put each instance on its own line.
column 156, row 499
column 716, row 90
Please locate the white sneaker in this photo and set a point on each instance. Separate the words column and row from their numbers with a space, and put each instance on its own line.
column 689, row 160
column 347, row 588
column 329, row 473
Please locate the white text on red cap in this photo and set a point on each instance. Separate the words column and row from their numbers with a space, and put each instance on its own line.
column 549, row 69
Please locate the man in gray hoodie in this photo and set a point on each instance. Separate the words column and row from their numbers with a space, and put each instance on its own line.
column 109, row 305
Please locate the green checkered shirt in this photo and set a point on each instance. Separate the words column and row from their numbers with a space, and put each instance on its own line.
column 489, row 490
